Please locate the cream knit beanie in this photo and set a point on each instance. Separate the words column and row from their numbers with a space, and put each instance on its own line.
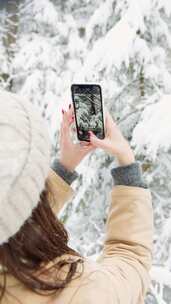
column 25, row 151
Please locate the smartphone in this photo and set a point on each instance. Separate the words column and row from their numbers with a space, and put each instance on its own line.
column 88, row 110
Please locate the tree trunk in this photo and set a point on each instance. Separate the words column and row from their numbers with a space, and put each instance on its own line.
column 12, row 20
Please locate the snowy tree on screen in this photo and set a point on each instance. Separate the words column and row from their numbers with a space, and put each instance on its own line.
column 124, row 45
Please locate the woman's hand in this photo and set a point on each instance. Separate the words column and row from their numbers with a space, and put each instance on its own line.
column 114, row 142
column 71, row 154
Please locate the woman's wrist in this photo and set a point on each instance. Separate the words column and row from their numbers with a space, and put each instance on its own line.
column 68, row 165
column 125, row 156
column 125, row 160
column 68, row 175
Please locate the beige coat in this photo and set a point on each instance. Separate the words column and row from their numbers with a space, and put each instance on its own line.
column 121, row 273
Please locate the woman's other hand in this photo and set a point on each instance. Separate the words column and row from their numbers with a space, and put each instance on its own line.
column 71, row 154
column 114, row 142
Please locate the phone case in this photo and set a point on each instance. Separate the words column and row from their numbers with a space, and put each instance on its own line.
column 103, row 114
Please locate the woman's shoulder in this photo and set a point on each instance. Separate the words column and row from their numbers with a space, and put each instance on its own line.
column 94, row 284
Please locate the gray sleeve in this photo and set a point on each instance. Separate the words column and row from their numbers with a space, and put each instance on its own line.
column 130, row 175
column 67, row 175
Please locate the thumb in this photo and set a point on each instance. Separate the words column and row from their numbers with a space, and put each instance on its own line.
column 95, row 141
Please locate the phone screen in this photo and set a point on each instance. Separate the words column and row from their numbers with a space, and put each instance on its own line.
column 88, row 108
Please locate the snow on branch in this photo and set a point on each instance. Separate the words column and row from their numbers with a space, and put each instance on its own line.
column 153, row 132
column 113, row 49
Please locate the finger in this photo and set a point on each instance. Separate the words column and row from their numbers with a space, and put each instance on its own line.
column 84, row 143
column 65, row 120
column 88, row 148
column 95, row 141
column 70, row 115
column 65, row 137
column 71, row 107
column 71, row 121
column 85, row 148
column 65, row 128
column 70, row 111
column 62, row 130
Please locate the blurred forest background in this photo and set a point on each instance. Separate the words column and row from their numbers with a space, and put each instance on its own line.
column 125, row 46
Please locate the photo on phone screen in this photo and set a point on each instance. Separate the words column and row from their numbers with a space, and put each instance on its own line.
column 88, row 108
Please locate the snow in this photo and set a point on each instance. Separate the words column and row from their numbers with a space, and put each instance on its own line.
column 113, row 48
column 166, row 5
column 101, row 14
column 153, row 132
column 163, row 275
column 44, row 12
column 37, row 52
column 135, row 14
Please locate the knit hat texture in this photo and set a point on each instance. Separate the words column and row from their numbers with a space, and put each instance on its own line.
column 25, row 151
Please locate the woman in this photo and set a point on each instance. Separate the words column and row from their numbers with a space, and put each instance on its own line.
column 37, row 266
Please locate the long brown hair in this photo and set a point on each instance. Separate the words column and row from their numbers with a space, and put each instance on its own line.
column 40, row 240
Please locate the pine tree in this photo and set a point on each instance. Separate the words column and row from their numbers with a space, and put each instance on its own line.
column 136, row 92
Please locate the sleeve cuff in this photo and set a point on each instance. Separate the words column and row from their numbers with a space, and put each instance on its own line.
column 67, row 175
column 130, row 175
